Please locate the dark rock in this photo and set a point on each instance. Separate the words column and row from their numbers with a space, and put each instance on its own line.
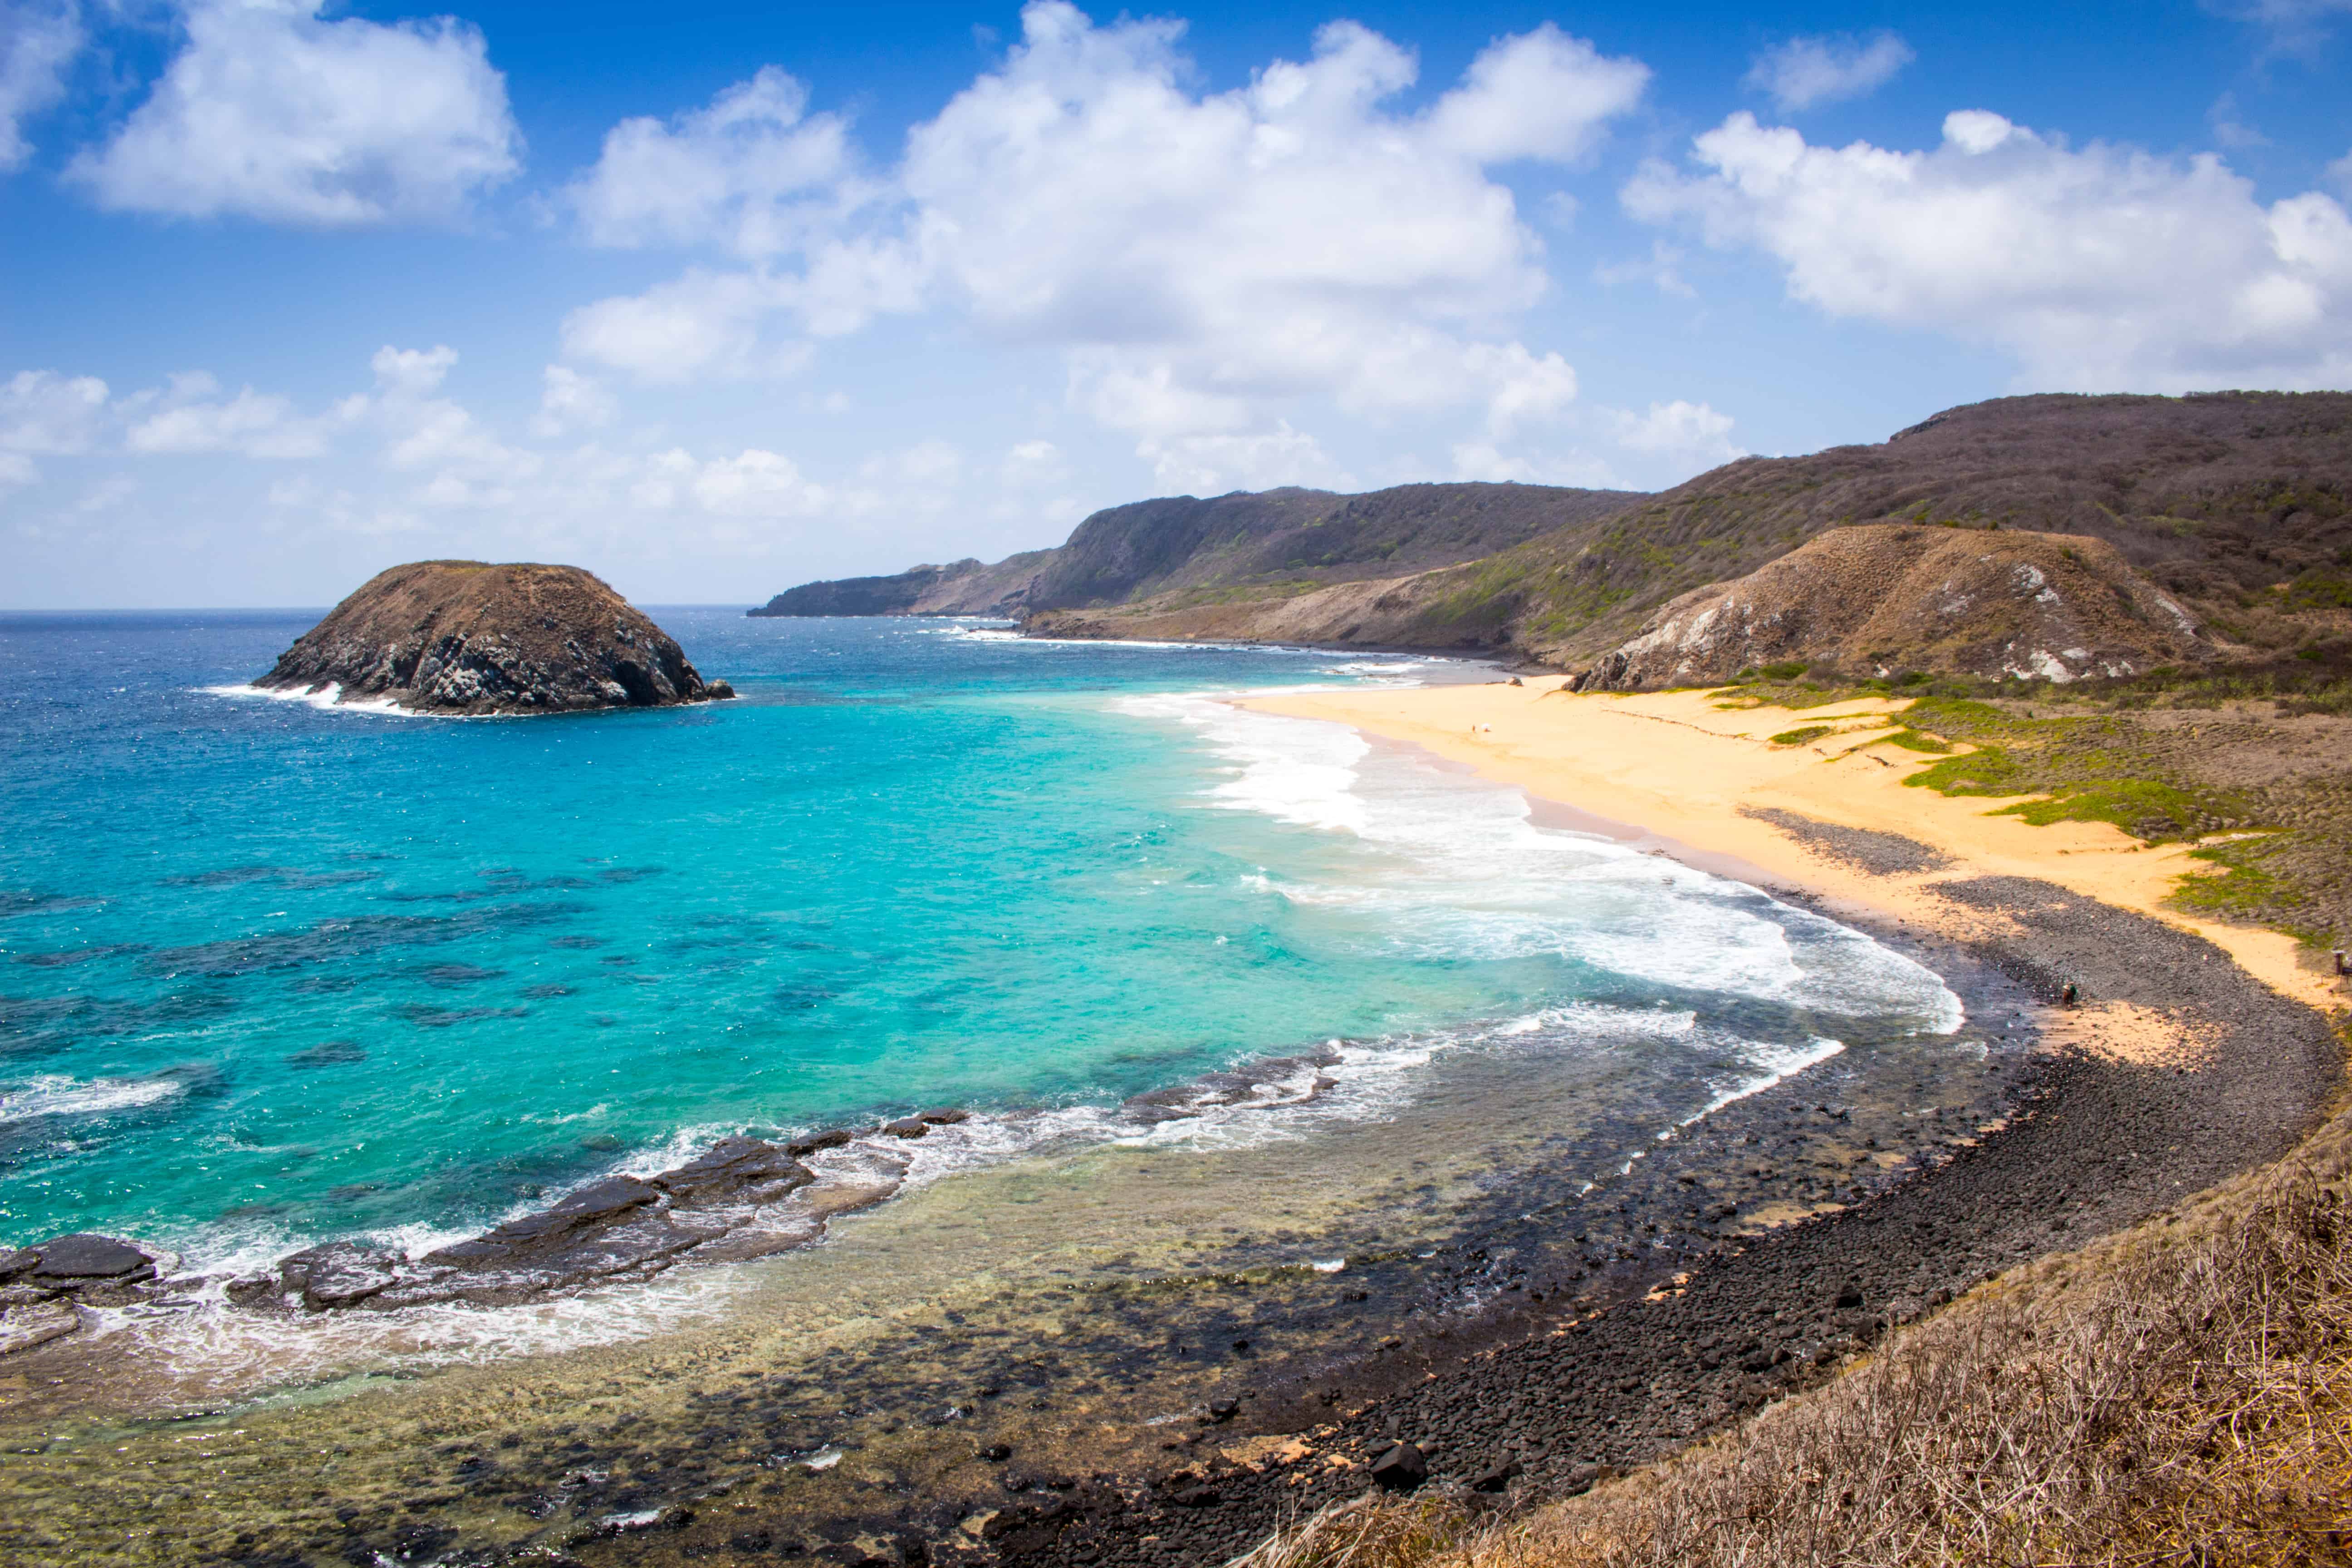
column 830, row 1137
column 997, row 1453
column 718, row 690
column 946, row 1116
column 736, row 1170
column 340, row 1274
column 1495, row 1477
column 20, row 1261
column 907, row 1127
column 1223, row 1410
column 1400, row 1469
column 1196, row 1497
column 85, row 1256
column 462, row 636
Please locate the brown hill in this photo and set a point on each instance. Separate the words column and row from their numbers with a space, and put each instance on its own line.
column 2237, row 504
column 1246, row 547
column 464, row 637
column 1882, row 598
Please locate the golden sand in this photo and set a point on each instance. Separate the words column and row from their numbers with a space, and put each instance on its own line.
column 1680, row 766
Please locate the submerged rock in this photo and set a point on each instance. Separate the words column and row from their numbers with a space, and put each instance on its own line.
column 622, row 1227
column 464, row 637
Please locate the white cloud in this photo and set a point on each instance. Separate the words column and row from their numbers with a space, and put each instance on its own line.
column 39, row 39
column 2339, row 175
column 568, row 401
column 271, row 113
column 195, row 418
column 1803, row 72
column 15, row 468
column 2229, row 129
column 2105, row 268
column 1689, row 433
column 1539, row 95
column 753, row 174
column 754, row 483
column 2289, row 27
column 1204, row 263
column 1252, row 460
column 44, row 413
column 703, row 323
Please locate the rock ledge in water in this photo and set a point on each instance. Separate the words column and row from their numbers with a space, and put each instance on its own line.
column 464, row 637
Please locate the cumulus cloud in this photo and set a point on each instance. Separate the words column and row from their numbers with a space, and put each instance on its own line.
column 39, row 39
column 1689, row 433
column 1204, row 262
column 2100, row 268
column 45, row 414
column 271, row 113
column 752, row 172
column 192, row 417
column 1803, row 72
column 568, row 401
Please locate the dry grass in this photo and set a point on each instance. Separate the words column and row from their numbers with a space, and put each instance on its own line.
column 2180, row 1394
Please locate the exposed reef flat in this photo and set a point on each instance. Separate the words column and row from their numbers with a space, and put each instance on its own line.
column 467, row 637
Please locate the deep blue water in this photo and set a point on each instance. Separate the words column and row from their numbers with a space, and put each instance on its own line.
column 274, row 973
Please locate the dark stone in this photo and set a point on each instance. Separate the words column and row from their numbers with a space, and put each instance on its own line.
column 20, row 1261
column 340, row 1274
column 946, row 1116
column 736, row 1170
column 997, row 1453
column 718, row 690
column 830, row 1137
column 1224, row 1409
column 907, row 1127
column 1196, row 1497
column 84, row 1256
column 1496, row 1478
column 1401, row 1470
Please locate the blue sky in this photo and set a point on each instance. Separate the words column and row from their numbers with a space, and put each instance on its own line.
column 717, row 299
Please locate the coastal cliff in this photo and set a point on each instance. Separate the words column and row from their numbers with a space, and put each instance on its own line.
column 1246, row 547
column 2234, row 506
column 469, row 637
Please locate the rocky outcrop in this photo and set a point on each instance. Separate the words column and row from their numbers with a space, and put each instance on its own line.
column 43, row 1288
column 462, row 636
column 1883, row 599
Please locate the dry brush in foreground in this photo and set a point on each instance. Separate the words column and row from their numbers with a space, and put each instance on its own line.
column 2179, row 1394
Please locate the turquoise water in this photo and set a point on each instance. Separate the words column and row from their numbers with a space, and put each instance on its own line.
column 270, row 974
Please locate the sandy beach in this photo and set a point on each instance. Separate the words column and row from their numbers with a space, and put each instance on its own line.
column 1701, row 778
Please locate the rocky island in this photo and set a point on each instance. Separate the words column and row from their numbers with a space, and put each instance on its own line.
column 470, row 637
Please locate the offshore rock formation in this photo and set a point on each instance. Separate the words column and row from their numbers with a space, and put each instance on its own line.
column 1881, row 599
column 464, row 637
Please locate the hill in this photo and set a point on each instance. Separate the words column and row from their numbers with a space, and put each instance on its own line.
column 466, row 637
column 1246, row 547
column 1880, row 599
column 2237, row 504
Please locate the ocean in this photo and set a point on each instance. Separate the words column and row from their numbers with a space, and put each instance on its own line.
column 273, row 974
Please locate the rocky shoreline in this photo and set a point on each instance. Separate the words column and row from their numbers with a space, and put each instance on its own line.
column 1155, row 1417
column 1555, row 1402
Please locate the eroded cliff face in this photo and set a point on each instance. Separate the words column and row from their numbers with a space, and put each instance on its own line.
column 1881, row 599
column 466, row 637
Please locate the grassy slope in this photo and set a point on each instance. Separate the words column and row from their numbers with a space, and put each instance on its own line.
column 2220, row 499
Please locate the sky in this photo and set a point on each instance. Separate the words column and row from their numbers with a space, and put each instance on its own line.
column 714, row 299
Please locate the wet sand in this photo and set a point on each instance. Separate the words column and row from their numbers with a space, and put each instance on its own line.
column 1705, row 780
